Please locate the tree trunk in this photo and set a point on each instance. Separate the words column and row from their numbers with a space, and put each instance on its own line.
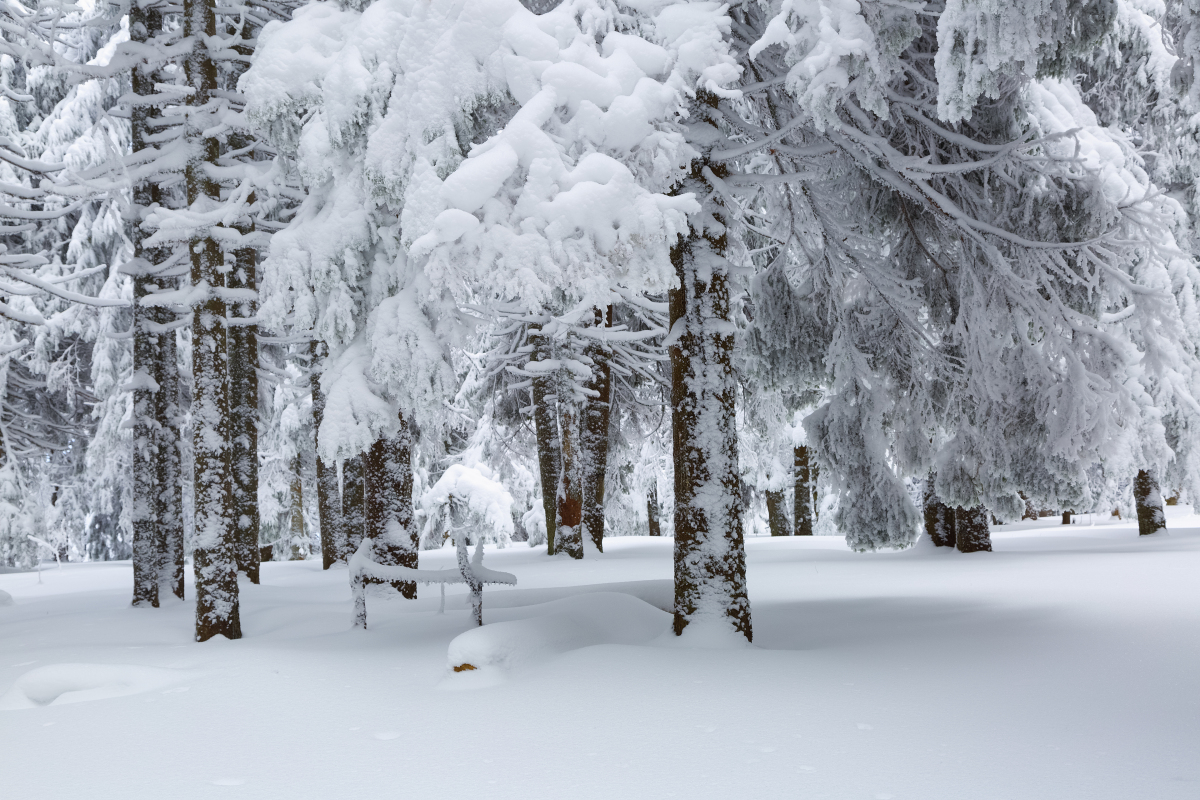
column 569, row 504
column 354, row 502
column 549, row 444
column 939, row 518
column 597, row 413
column 144, row 25
column 213, row 554
column 971, row 529
column 389, row 484
column 170, row 462
column 1149, row 503
column 652, row 510
column 710, row 556
column 777, row 514
column 803, row 501
column 243, row 411
column 296, row 533
column 329, row 502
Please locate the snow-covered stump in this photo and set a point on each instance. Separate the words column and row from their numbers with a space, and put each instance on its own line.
column 1149, row 503
column 971, row 529
column 470, row 571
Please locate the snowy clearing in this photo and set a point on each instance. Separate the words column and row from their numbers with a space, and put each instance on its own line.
column 1060, row 666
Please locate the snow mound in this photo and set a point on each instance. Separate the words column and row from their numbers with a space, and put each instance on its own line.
column 6, row 599
column 482, row 655
column 59, row 684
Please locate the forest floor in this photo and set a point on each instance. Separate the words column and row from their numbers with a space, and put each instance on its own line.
column 1063, row 665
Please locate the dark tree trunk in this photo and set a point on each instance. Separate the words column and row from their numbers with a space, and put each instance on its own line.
column 354, row 502
column 1148, row 501
column 170, row 463
column 213, row 555
column 243, row 408
column 144, row 25
column 803, row 501
column 971, row 529
column 296, row 532
column 777, row 514
column 710, row 556
column 597, row 413
column 652, row 510
column 549, row 444
column 939, row 518
column 389, row 484
column 329, row 502
column 569, row 504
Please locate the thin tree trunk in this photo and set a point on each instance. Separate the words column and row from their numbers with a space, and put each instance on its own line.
column 710, row 556
column 569, row 504
column 329, row 503
column 1149, row 503
column 549, row 444
column 354, row 502
column 939, row 518
column 243, row 411
column 803, row 501
column 652, row 510
column 777, row 513
column 144, row 25
column 597, row 414
column 296, row 533
column 213, row 555
column 170, row 462
column 390, row 523
column 971, row 529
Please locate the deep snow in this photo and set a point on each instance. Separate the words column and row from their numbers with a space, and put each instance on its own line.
column 1061, row 666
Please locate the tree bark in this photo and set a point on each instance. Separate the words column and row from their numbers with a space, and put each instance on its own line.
column 710, row 557
column 549, row 444
column 354, row 502
column 971, row 529
column 939, row 518
column 243, row 410
column 296, row 533
column 569, row 504
column 170, row 462
column 652, row 511
column 145, row 23
column 213, row 555
column 803, row 501
column 597, row 415
column 329, row 502
column 777, row 514
column 389, row 485
column 1149, row 503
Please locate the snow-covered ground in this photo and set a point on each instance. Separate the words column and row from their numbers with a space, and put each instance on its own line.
column 1063, row 665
